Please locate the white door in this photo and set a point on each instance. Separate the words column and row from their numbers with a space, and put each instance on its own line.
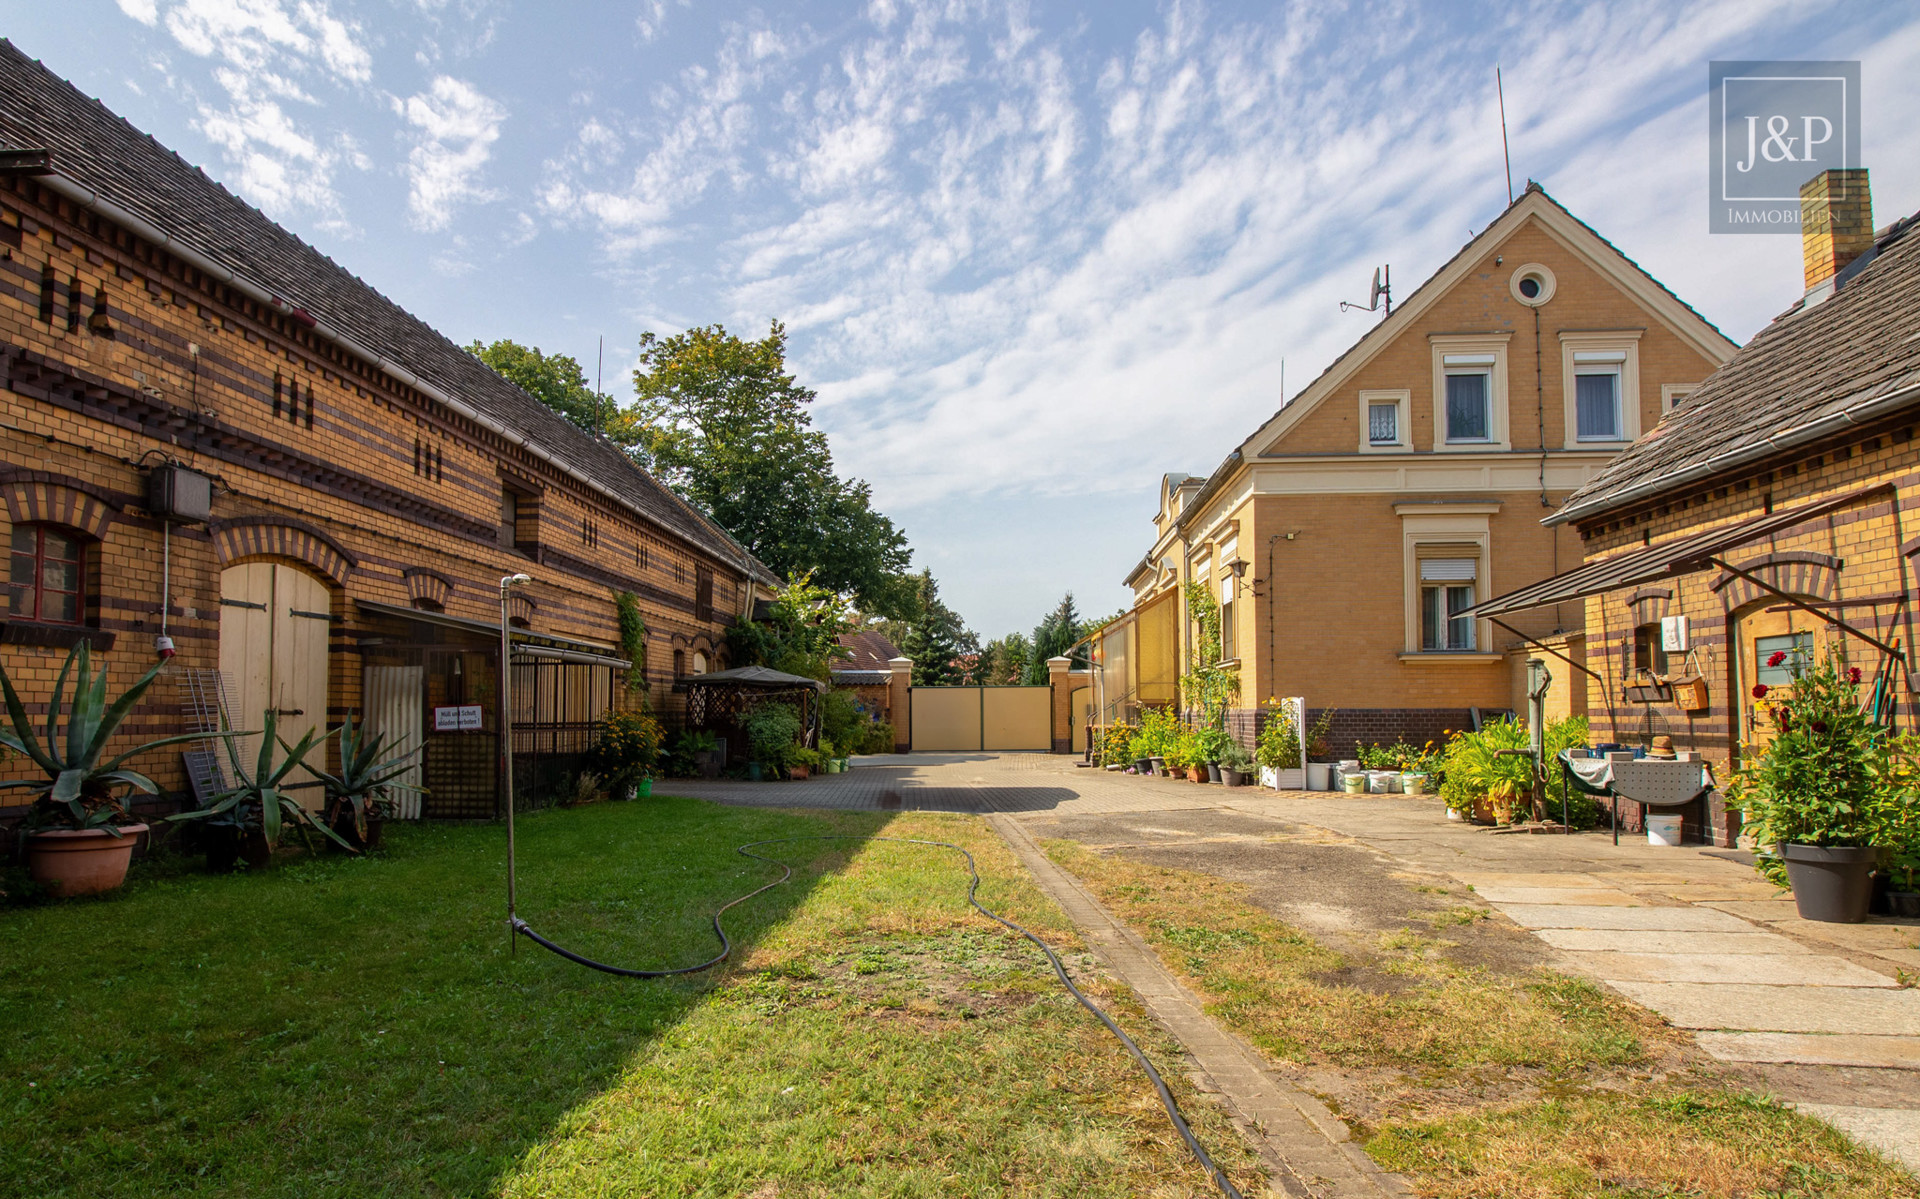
column 394, row 698
column 274, row 623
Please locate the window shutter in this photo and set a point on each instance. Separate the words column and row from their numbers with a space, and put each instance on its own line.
column 1448, row 563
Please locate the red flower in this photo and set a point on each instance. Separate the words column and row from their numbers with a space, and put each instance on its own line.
column 1853, row 674
column 1759, row 691
column 1777, row 657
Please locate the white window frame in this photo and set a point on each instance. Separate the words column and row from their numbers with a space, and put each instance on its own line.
column 1672, row 395
column 1601, row 364
column 1402, row 400
column 1450, row 524
column 1446, row 619
column 1583, row 352
column 1463, row 353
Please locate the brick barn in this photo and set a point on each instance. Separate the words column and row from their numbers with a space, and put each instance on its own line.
column 213, row 431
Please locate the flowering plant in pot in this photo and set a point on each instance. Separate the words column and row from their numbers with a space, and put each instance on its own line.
column 80, row 834
column 1815, row 793
column 626, row 750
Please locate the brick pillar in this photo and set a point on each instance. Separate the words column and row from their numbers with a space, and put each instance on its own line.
column 1062, row 706
column 900, row 699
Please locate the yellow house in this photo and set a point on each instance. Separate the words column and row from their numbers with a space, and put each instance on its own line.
column 1347, row 534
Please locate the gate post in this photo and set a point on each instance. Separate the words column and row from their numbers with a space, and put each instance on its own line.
column 1062, row 705
column 900, row 700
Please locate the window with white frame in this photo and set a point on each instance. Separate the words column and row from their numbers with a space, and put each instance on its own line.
column 1596, row 395
column 1672, row 395
column 1447, row 591
column 1228, row 592
column 1383, row 420
column 1468, row 404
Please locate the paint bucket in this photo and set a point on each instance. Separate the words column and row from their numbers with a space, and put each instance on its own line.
column 1663, row 828
column 1353, row 784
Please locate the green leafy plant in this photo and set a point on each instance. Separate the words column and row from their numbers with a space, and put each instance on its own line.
column 1209, row 686
column 773, row 729
column 259, row 801
column 1376, row 757
column 841, row 720
column 627, row 748
column 1817, row 781
column 588, row 788
column 1278, row 746
column 1897, row 780
column 1319, row 744
column 1475, row 769
column 633, row 639
column 78, row 790
column 1213, row 743
column 683, row 760
column 805, row 756
column 877, row 738
column 1115, row 744
column 1160, row 729
column 367, row 777
column 1236, row 758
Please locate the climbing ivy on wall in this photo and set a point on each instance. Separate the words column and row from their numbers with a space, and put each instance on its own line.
column 633, row 638
column 1208, row 686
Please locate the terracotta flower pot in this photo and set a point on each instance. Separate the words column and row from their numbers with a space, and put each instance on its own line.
column 72, row 862
column 1196, row 774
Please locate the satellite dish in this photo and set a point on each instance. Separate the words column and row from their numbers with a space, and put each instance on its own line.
column 1382, row 290
column 1373, row 300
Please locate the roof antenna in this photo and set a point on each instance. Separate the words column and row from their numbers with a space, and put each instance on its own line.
column 1382, row 290
column 1500, row 87
column 599, row 364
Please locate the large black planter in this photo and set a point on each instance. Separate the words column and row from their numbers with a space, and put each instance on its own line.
column 1831, row 883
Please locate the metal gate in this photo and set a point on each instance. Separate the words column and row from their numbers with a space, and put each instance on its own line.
column 959, row 719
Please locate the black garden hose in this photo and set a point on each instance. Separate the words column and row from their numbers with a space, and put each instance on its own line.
column 1199, row 1151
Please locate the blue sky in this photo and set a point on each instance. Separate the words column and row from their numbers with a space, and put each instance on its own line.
column 1032, row 255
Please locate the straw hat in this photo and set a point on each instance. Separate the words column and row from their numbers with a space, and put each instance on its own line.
column 1662, row 747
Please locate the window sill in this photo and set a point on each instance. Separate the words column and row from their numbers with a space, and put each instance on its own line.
column 1451, row 657
column 57, row 636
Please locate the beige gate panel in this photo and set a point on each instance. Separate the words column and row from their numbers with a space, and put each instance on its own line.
column 1078, row 705
column 946, row 718
column 1015, row 718
column 274, row 626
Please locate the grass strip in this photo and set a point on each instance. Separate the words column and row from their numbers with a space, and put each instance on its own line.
column 1438, row 1045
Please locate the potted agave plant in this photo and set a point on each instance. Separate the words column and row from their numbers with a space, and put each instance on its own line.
column 80, row 834
column 260, row 806
column 360, row 798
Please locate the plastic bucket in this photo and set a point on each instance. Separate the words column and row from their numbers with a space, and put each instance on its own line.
column 1381, row 782
column 1353, row 784
column 1413, row 783
column 1663, row 828
column 1318, row 776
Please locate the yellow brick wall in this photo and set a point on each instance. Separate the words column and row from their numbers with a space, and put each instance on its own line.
column 364, row 432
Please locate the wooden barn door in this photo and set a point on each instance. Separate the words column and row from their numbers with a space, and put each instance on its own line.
column 274, row 622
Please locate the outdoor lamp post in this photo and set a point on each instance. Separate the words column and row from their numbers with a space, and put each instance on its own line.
column 505, row 722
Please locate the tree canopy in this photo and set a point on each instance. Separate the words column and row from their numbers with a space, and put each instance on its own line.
column 556, row 380
column 936, row 639
column 1057, row 630
column 800, row 635
column 1003, row 661
column 720, row 420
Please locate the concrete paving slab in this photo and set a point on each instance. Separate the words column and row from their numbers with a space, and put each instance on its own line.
column 1740, row 1007
column 1770, row 911
column 1780, row 970
column 1678, row 920
column 1804, row 1049
column 1571, row 878
column 1593, row 896
column 1894, row 1131
column 1611, row 940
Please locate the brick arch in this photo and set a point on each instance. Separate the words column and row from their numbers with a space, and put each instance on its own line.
column 520, row 610
column 37, row 497
column 281, row 537
column 1815, row 576
column 1649, row 605
column 429, row 585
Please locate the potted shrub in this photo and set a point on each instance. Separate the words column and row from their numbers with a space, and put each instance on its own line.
column 1482, row 781
column 773, row 732
column 625, row 751
column 802, row 761
column 1236, row 765
column 1278, row 748
column 1320, row 762
column 1816, row 793
column 258, row 805
column 360, row 797
column 1213, row 744
column 80, row 836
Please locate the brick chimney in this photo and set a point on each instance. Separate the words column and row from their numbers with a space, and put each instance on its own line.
column 1836, row 223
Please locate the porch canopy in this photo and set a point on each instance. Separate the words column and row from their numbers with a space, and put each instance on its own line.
column 1650, row 564
column 526, row 644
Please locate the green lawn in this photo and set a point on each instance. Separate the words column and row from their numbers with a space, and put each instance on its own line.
column 356, row 1026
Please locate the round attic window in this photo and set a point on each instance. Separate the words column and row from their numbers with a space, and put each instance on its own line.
column 1532, row 285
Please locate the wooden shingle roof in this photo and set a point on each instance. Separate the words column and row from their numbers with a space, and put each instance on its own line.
column 95, row 149
column 1808, row 375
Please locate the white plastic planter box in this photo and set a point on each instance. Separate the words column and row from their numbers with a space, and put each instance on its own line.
column 1283, row 780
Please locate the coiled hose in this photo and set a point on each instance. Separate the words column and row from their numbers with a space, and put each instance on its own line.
column 1199, row 1151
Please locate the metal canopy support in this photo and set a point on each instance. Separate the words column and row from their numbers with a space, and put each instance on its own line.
column 1804, row 606
column 1544, row 648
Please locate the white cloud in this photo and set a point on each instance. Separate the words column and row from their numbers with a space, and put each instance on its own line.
column 269, row 54
column 456, row 128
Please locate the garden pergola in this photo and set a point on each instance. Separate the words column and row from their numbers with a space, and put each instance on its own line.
column 716, row 701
